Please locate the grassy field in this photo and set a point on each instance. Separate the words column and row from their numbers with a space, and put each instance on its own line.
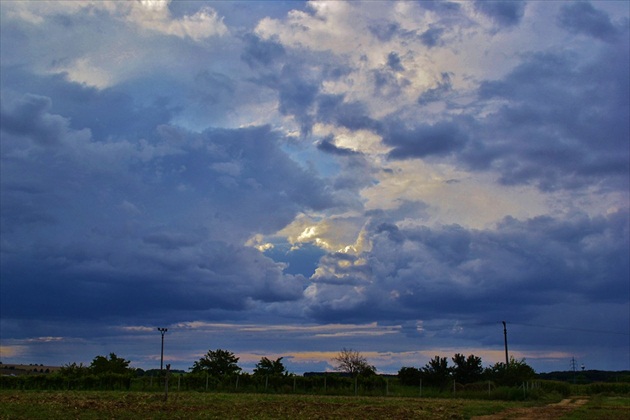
column 603, row 408
column 196, row 405
column 186, row 405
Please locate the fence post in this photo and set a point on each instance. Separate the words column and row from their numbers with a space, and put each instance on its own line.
column 168, row 371
column 179, row 381
column 420, row 387
column 356, row 385
column 266, row 382
column 386, row 387
column 206, row 381
column 294, row 384
column 236, row 387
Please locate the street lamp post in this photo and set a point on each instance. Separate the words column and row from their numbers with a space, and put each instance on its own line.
column 162, row 331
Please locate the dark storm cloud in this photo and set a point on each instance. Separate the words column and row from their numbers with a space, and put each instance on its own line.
column 173, row 239
column 561, row 124
column 259, row 52
column 109, row 112
column 327, row 146
column 445, row 7
column 394, row 62
column 352, row 115
column 504, row 13
column 424, row 273
column 128, row 197
column 582, row 18
column 120, row 230
column 423, row 141
column 431, row 37
column 296, row 93
column 384, row 31
column 30, row 118
column 70, row 283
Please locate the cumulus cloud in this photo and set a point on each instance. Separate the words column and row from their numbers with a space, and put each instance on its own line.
column 30, row 118
column 261, row 52
column 423, row 273
column 583, row 18
column 423, row 141
column 504, row 13
column 194, row 256
column 423, row 169
column 541, row 120
column 153, row 15
column 431, row 37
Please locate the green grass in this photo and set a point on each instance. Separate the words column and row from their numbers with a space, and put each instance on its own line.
column 185, row 405
column 603, row 408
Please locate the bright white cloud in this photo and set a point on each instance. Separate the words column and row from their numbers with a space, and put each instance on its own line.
column 155, row 15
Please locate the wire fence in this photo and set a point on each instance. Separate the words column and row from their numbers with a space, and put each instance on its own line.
column 329, row 384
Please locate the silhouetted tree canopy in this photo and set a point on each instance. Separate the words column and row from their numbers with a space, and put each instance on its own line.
column 270, row 367
column 437, row 372
column 114, row 364
column 410, row 376
column 467, row 370
column 217, row 363
column 352, row 362
column 516, row 372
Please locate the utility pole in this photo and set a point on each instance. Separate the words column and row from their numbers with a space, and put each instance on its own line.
column 162, row 331
column 507, row 360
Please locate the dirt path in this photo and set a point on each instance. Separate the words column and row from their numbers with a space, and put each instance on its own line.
column 547, row 412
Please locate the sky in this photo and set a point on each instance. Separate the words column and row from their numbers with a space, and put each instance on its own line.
column 287, row 179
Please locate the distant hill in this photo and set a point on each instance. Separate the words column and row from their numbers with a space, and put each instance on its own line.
column 587, row 376
column 17, row 369
column 34, row 369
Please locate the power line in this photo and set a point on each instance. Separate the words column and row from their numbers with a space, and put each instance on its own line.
column 570, row 329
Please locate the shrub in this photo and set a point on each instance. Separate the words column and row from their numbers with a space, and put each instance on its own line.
column 561, row 388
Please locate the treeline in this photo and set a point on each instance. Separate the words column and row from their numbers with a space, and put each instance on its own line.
column 111, row 373
column 218, row 371
column 587, row 376
column 467, row 370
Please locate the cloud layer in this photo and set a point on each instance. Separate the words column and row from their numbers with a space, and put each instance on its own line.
column 329, row 174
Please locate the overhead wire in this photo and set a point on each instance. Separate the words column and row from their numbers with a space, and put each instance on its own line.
column 587, row 330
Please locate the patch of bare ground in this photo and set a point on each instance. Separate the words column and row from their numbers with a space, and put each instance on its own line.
column 547, row 412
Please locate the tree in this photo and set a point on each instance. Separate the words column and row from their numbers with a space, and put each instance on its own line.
column 467, row 370
column 270, row 367
column 436, row 372
column 515, row 373
column 114, row 364
column 409, row 376
column 73, row 370
column 352, row 362
column 217, row 363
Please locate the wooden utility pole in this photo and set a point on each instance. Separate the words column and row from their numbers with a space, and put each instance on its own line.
column 507, row 360
column 162, row 331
